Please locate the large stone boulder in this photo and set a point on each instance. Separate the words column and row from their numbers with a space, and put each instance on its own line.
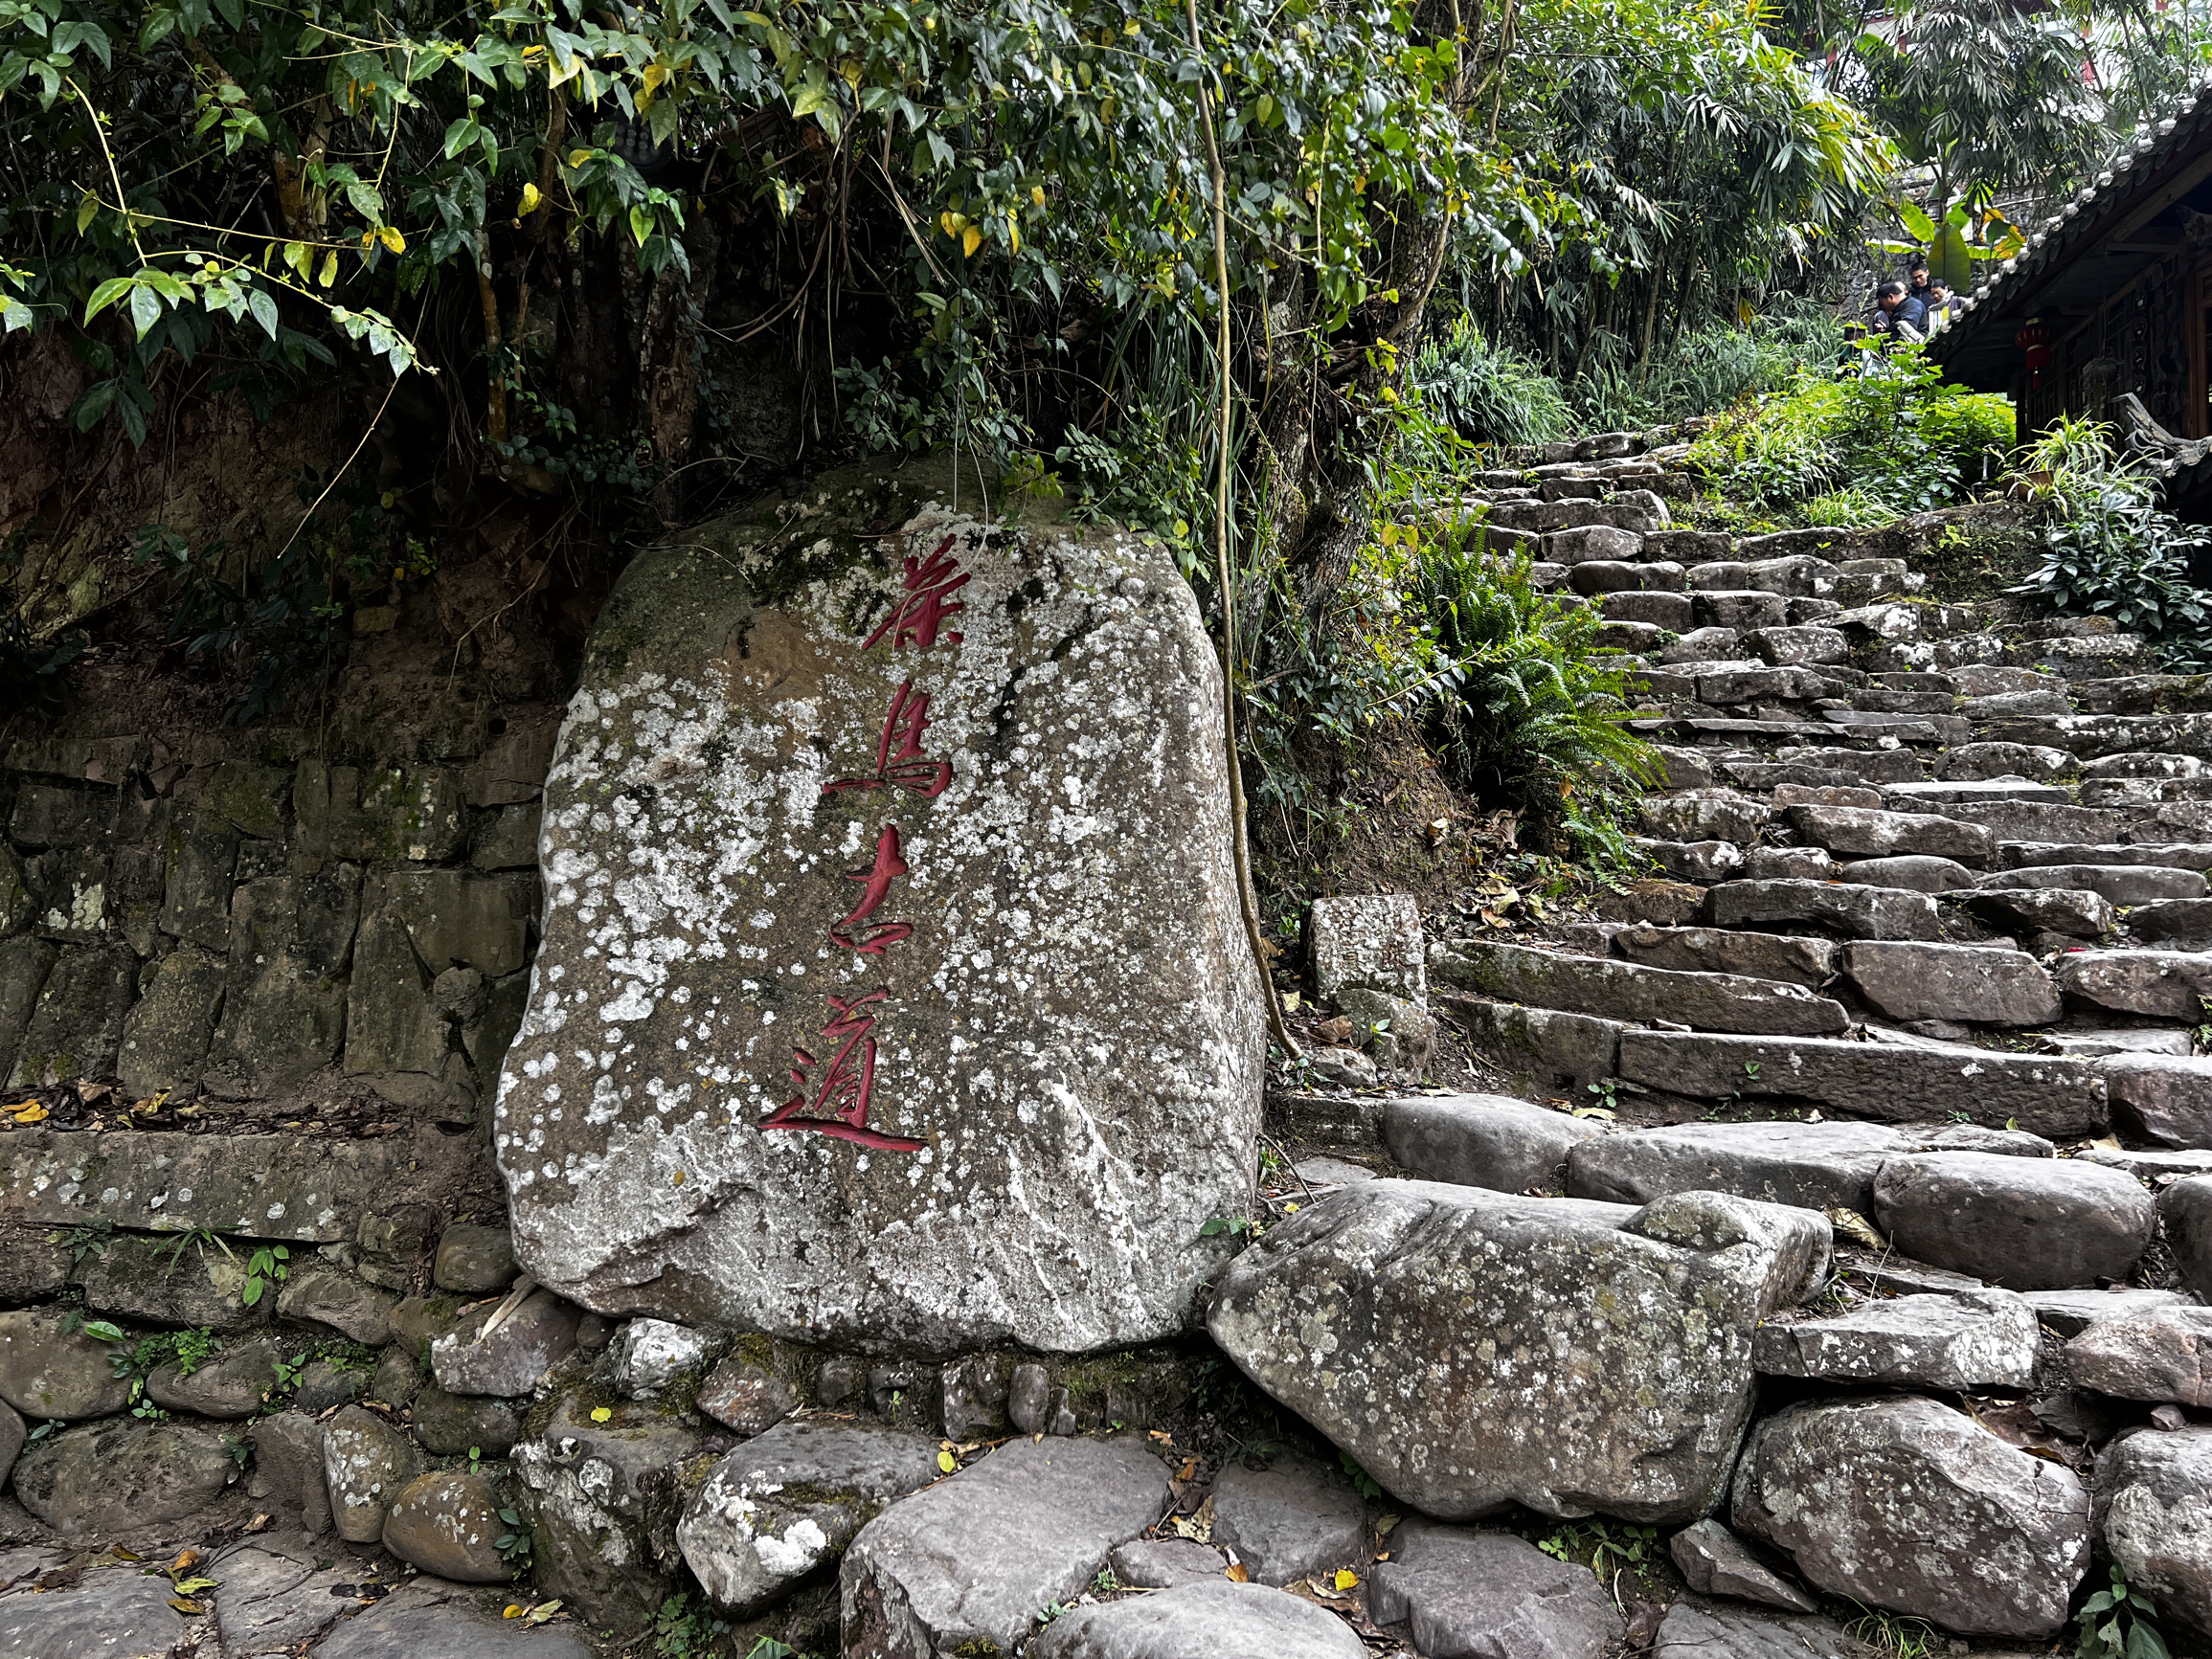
column 1212, row 1620
column 2164, row 1355
column 889, row 872
column 1909, row 1505
column 447, row 1524
column 1471, row 1348
column 2154, row 1511
column 1289, row 1520
column 1490, row 1593
column 123, row 1473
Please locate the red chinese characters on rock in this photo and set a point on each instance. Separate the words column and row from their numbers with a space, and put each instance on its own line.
column 834, row 1097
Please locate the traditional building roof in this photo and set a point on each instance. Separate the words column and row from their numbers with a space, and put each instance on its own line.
column 2084, row 252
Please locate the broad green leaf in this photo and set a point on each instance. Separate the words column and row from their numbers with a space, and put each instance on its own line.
column 1916, row 221
column 1949, row 259
column 145, row 308
column 14, row 315
column 106, row 295
column 264, row 309
column 641, row 223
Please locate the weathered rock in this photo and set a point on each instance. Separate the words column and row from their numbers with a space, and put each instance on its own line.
column 448, row 1525
column 2163, row 1356
column 1542, row 1043
column 149, row 1279
column 75, row 1025
column 1467, row 1593
column 392, row 1241
column 1976, row 1341
column 1916, row 872
column 1874, row 834
column 2153, row 1509
column 47, row 1372
column 2120, row 883
column 2165, row 984
column 601, row 1502
column 648, row 1354
column 530, row 1341
column 1213, row 1620
column 2185, row 1210
column 973, row 1558
column 1692, row 1629
column 1815, row 1166
column 1602, row 987
column 789, row 1501
column 1720, row 950
column 975, row 1396
column 345, row 1304
column 1976, row 762
column 13, row 1433
column 2043, row 1094
column 2163, row 1098
column 233, row 1383
column 2183, row 923
column 1856, row 1490
column 1163, row 1563
column 1663, row 903
column 284, row 1003
column 165, row 1034
column 1427, row 1296
column 2028, row 1223
column 290, row 1468
column 278, row 1593
column 2070, row 1313
column 126, row 1472
column 322, row 1385
column 1290, row 1519
column 1367, row 942
column 2076, row 912
column 735, row 696
column 1714, row 1561
column 748, row 1390
column 474, row 1260
column 1710, row 815
column 366, row 1462
column 110, row 1610
column 1705, row 862
column 1965, row 983
column 1483, row 1140
column 448, row 1424
column 438, row 1631
column 1856, row 912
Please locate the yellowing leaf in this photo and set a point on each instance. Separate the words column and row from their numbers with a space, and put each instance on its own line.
column 946, row 1462
column 679, row 1178
column 186, row 1558
column 1037, row 194
column 329, row 273
column 513, row 1610
column 1290, row 1001
column 577, row 157
column 600, row 1413
column 530, row 199
column 31, row 1112
column 1014, row 232
column 390, row 238
column 185, row 1605
column 1236, row 1575
column 1346, row 1578
column 656, row 75
column 971, row 239
column 86, row 212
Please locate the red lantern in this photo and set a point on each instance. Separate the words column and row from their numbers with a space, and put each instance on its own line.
column 2035, row 340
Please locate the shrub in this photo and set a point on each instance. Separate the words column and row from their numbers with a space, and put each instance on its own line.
column 1886, row 429
column 1490, row 393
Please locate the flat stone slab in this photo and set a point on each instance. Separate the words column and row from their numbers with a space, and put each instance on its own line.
column 2044, row 1094
column 2075, row 912
column 1163, row 1563
column 974, row 1559
column 1856, row 912
column 2163, row 1098
column 2122, row 884
column 2162, row 1357
column 446, row 1632
column 1871, row 833
column 2185, row 1210
column 888, row 868
column 1216, row 1620
column 121, row 1611
column 1483, row 1140
column 1424, row 1296
column 1723, row 951
column 1976, row 1341
column 1292, row 1518
column 1916, row 872
column 2165, row 984
column 300, row 1188
column 1812, row 1165
column 1976, row 984
column 2025, row 1224
column 1478, row 1593
column 1701, row 1631
column 2072, row 1311
column 1853, row 1491
column 1617, row 989
column 276, row 1595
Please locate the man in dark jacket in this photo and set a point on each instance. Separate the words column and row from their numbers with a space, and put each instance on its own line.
column 1899, row 315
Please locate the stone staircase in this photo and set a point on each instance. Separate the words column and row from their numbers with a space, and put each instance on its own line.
column 1919, row 861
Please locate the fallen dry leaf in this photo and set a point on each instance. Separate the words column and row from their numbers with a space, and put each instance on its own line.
column 1236, row 1575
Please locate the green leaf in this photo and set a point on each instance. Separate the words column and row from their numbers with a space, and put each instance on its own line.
column 641, row 223
column 1949, row 260
column 264, row 310
column 144, row 307
column 106, row 295
column 366, row 202
column 101, row 1331
column 1916, row 221
column 251, row 1293
column 14, row 315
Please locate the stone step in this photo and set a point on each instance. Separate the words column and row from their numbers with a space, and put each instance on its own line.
column 2159, row 984
column 1993, row 762
column 2121, row 884
column 1853, row 912
column 2172, row 922
column 2169, row 855
column 1863, row 832
column 2071, row 913
column 2022, row 1223
column 1483, row 1140
column 1920, row 796
column 1970, row 984
column 1800, row 961
column 1629, row 991
column 2043, row 1094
